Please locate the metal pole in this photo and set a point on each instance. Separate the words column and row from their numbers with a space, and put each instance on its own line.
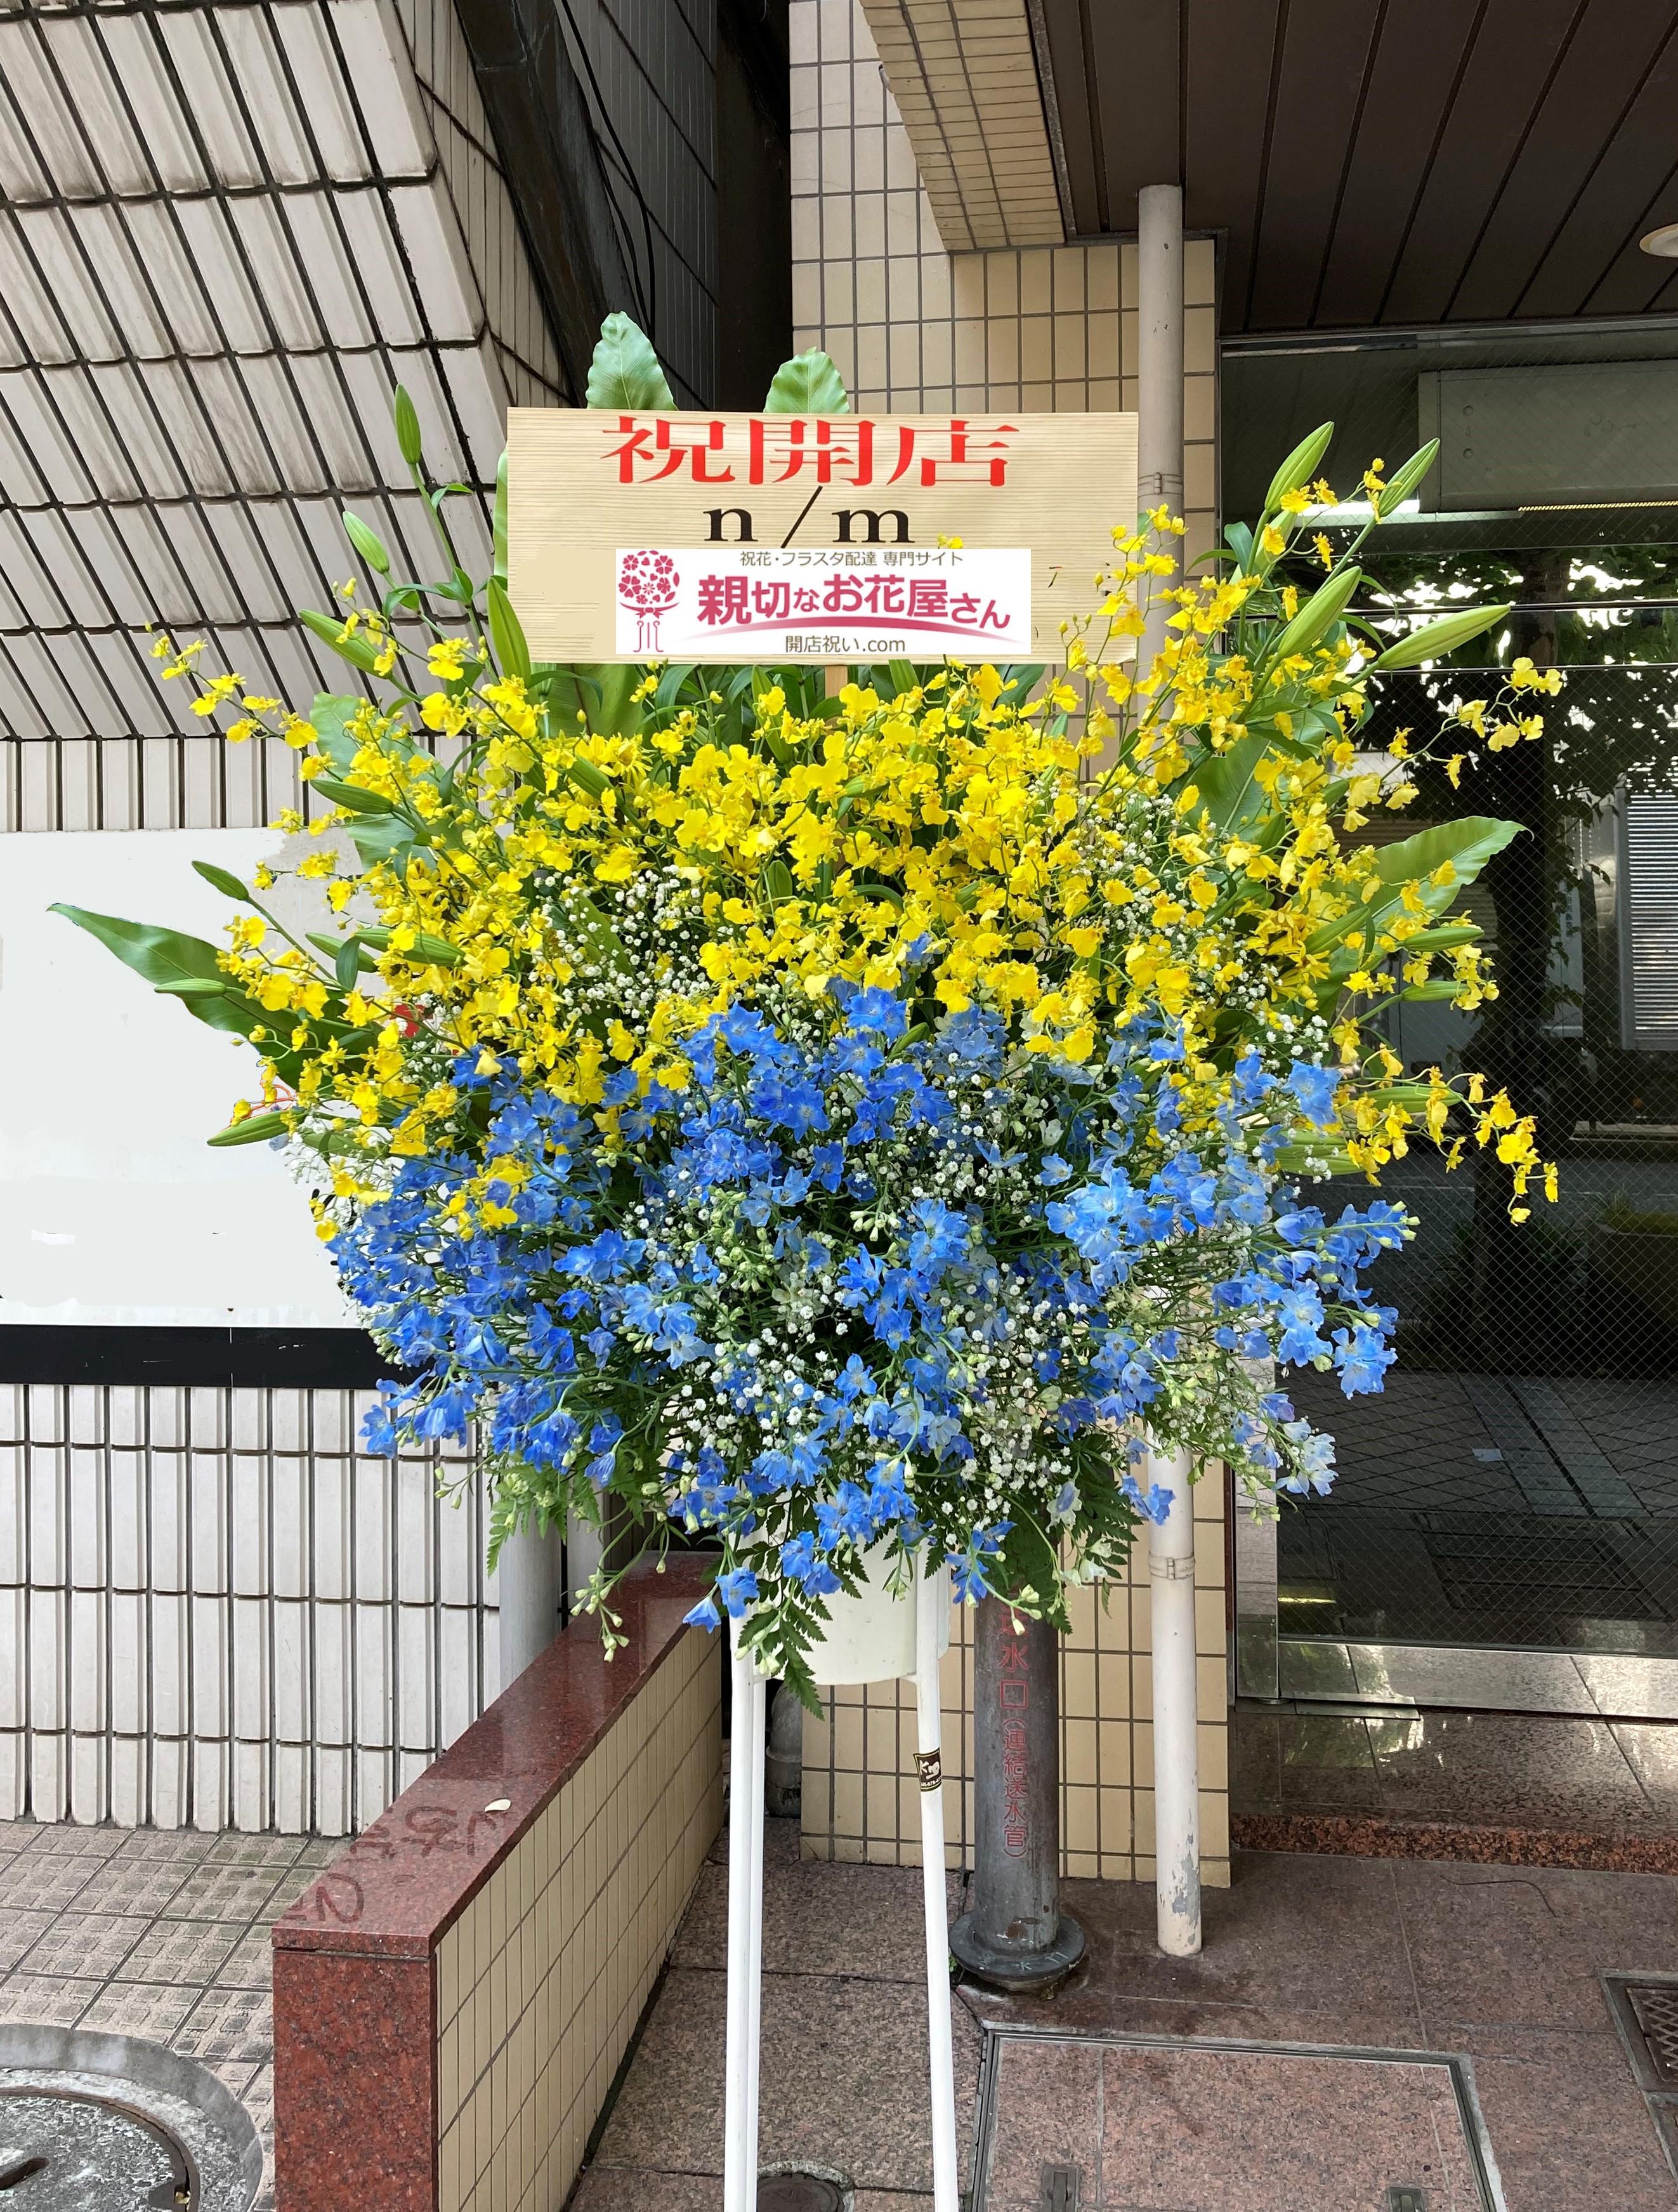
column 932, row 1601
column 1160, row 384
column 529, row 1583
column 1016, row 1937
column 1171, row 1569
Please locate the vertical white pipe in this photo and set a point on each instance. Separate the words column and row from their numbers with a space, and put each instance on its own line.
column 740, row 2055
column 1170, row 1568
column 758, row 1747
column 529, row 1585
column 932, row 1604
column 1159, row 383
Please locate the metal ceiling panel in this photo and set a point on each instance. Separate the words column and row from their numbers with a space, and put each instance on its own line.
column 1372, row 163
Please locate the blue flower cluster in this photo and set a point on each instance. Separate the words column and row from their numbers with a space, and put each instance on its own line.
column 862, row 1284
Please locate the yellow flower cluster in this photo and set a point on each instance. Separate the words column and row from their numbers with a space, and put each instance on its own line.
column 576, row 892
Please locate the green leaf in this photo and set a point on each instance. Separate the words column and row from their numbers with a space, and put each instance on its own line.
column 254, row 1129
column 346, row 963
column 194, row 986
column 809, row 384
column 1320, row 611
column 408, row 441
column 219, row 880
column 1437, row 639
column 903, row 677
column 778, row 882
column 357, row 648
column 625, row 373
column 367, row 542
column 501, row 565
column 602, row 939
column 167, row 959
column 1467, row 844
column 506, row 634
column 1228, row 791
column 618, row 714
column 351, row 798
column 329, row 718
column 161, row 956
column 1300, row 466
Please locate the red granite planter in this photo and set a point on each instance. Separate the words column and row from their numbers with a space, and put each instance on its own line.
column 439, row 2031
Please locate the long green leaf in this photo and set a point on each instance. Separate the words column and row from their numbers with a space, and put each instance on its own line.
column 161, row 956
column 1467, row 844
column 507, row 633
column 329, row 718
column 625, row 373
column 351, row 798
column 1228, row 791
column 809, row 384
column 499, row 569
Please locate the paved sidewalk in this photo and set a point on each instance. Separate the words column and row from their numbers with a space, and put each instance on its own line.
column 1496, row 1965
column 156, row 1933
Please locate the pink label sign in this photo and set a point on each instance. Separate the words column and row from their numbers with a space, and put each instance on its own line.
column 843, row 603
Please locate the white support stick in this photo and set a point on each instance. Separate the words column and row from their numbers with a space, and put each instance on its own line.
column 1170, row 1568
column 932, row 1596
column 755, row 1960
column 745, row 1937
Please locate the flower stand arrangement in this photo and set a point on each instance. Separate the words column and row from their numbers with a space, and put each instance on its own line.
column 867, row 1135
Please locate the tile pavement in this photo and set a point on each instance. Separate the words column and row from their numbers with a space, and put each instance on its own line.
column 156, row 1933
column 1573, row 1772
column 1498, row 1964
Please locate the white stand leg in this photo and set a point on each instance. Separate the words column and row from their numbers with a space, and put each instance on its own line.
column 1170, row 1568
column 745, row 1938
column 932, row 1596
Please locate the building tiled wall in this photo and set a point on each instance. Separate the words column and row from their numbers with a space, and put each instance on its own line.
column 541, row 1981
column 215, row 1611
column 914, row 326
column 860, row 1796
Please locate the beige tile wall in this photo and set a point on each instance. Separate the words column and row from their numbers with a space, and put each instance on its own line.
column 913, row 327
column 541, row 1980
column 916, row 327
column 860, row 1799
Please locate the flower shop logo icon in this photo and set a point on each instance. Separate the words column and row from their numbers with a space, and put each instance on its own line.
column 647, row 583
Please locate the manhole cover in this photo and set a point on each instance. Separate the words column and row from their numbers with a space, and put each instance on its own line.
column 64, row 2147
column 92, row 2123
column 798, row 2193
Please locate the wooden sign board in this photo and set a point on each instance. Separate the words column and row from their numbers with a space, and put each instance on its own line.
column 818, row 537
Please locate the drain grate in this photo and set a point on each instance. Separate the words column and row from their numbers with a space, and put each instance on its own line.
column 1405, row 2197
column 1060, row 2189
column 1646, row 2011
column 1655, row 2008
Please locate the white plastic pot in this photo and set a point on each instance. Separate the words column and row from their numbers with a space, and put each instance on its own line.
column 872, row 1637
